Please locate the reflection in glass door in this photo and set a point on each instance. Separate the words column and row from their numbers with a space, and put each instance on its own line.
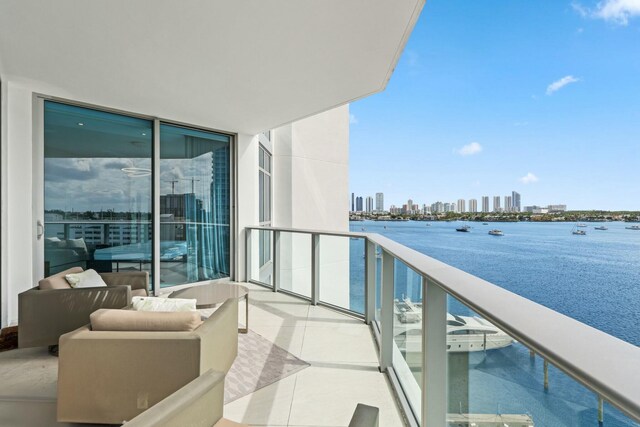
column 97, row 190
column 195, row 194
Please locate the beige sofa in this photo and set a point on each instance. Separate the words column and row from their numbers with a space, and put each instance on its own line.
column 108, row 377
column 54, row 308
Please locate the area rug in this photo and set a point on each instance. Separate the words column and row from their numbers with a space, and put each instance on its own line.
column 258, row 364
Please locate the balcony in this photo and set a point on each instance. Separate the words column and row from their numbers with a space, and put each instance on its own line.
column 370, row 317
column 457, row 349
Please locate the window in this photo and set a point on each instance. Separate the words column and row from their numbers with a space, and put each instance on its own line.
column 264, row 203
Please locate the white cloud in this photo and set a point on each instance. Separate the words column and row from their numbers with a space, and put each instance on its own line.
column 470, row 149
column 529, row 178
column 559, row 84
column 616, row 11
column 353, row 119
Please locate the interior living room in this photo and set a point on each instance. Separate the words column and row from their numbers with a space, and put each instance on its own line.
column 175, row 241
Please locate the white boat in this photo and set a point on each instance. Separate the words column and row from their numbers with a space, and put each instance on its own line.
column 633, row 227
column 496, row 232
column 581, row 224
column 464, row 333
column 577, row 232
column 601, row 227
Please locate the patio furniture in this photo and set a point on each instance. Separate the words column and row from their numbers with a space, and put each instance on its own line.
column 109, row 376
column 198, row 403
column 365, row 416
column 214, row 293
column 54, row 308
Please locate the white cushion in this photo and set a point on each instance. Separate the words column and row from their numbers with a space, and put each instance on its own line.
column 86, row 279
column 163, row 304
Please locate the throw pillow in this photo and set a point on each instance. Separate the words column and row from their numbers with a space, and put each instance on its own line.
column 163, row 304
column 87, row 279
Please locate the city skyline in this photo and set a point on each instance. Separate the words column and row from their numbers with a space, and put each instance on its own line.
column 469, row 111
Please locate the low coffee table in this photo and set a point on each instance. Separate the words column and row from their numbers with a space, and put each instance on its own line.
column 212, row 294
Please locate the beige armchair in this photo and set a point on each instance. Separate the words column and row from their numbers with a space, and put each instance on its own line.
column 108, row 377
column 197, row 404
column 200, row 404
column 54, row 308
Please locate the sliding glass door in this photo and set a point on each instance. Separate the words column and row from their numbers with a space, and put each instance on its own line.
column 194, row 205
column 97, row 190
column 99, row 196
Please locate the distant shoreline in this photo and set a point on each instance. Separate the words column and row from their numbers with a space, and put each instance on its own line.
column 569, row 216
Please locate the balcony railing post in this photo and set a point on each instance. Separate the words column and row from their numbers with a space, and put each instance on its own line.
column 370, row 282
column 247, row 254
column 386, row 314
column 434, row 354
column 275, row 274
column 315, row 268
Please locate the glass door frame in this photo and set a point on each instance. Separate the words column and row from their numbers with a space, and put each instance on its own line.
column 38, row 186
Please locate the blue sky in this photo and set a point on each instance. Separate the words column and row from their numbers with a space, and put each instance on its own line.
column 489, row 92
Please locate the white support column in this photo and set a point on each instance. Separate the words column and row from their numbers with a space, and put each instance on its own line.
column 370, row 282
column 386, row 315
column 315, row 269
column 434, row 355
column 275, row 254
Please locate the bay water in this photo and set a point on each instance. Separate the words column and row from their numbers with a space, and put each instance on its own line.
column 593, row 278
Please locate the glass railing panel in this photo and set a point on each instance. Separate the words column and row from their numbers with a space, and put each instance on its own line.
column 342, row 272
column 494, row 378
column 294, row 263
column 261, row 261
column 407, row 332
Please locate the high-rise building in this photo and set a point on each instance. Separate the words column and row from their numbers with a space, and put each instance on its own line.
column 496, row 204
column 461, row 205
column 485, row 203
column 508, row 206
column 473, row 205
column 515, row 200
column 409, row 208
column 358, row 204
column 369, row 204
column 380, row 202
column 353, row 202
column 447, row 207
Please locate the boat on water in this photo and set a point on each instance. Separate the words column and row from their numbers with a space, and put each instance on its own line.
column 464, row 333
column 485, row 223
column 463, row 229
column 633, row 227
column 581, row 224
column 601, row 227
column 496, row 232
column 577, row 232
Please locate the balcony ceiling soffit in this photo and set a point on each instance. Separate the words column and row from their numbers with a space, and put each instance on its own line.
column 236, row 66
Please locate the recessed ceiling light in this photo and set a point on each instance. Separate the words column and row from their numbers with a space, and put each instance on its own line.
column 80, row 124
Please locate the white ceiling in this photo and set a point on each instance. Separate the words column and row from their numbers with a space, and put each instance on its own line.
column 234, row 65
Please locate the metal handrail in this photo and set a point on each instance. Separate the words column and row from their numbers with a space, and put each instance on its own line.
column 607, row 365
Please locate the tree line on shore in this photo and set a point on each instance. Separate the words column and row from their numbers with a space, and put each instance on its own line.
column 568, row 216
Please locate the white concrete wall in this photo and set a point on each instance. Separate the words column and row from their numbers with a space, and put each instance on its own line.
column 18, row 218
column 311, row 186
